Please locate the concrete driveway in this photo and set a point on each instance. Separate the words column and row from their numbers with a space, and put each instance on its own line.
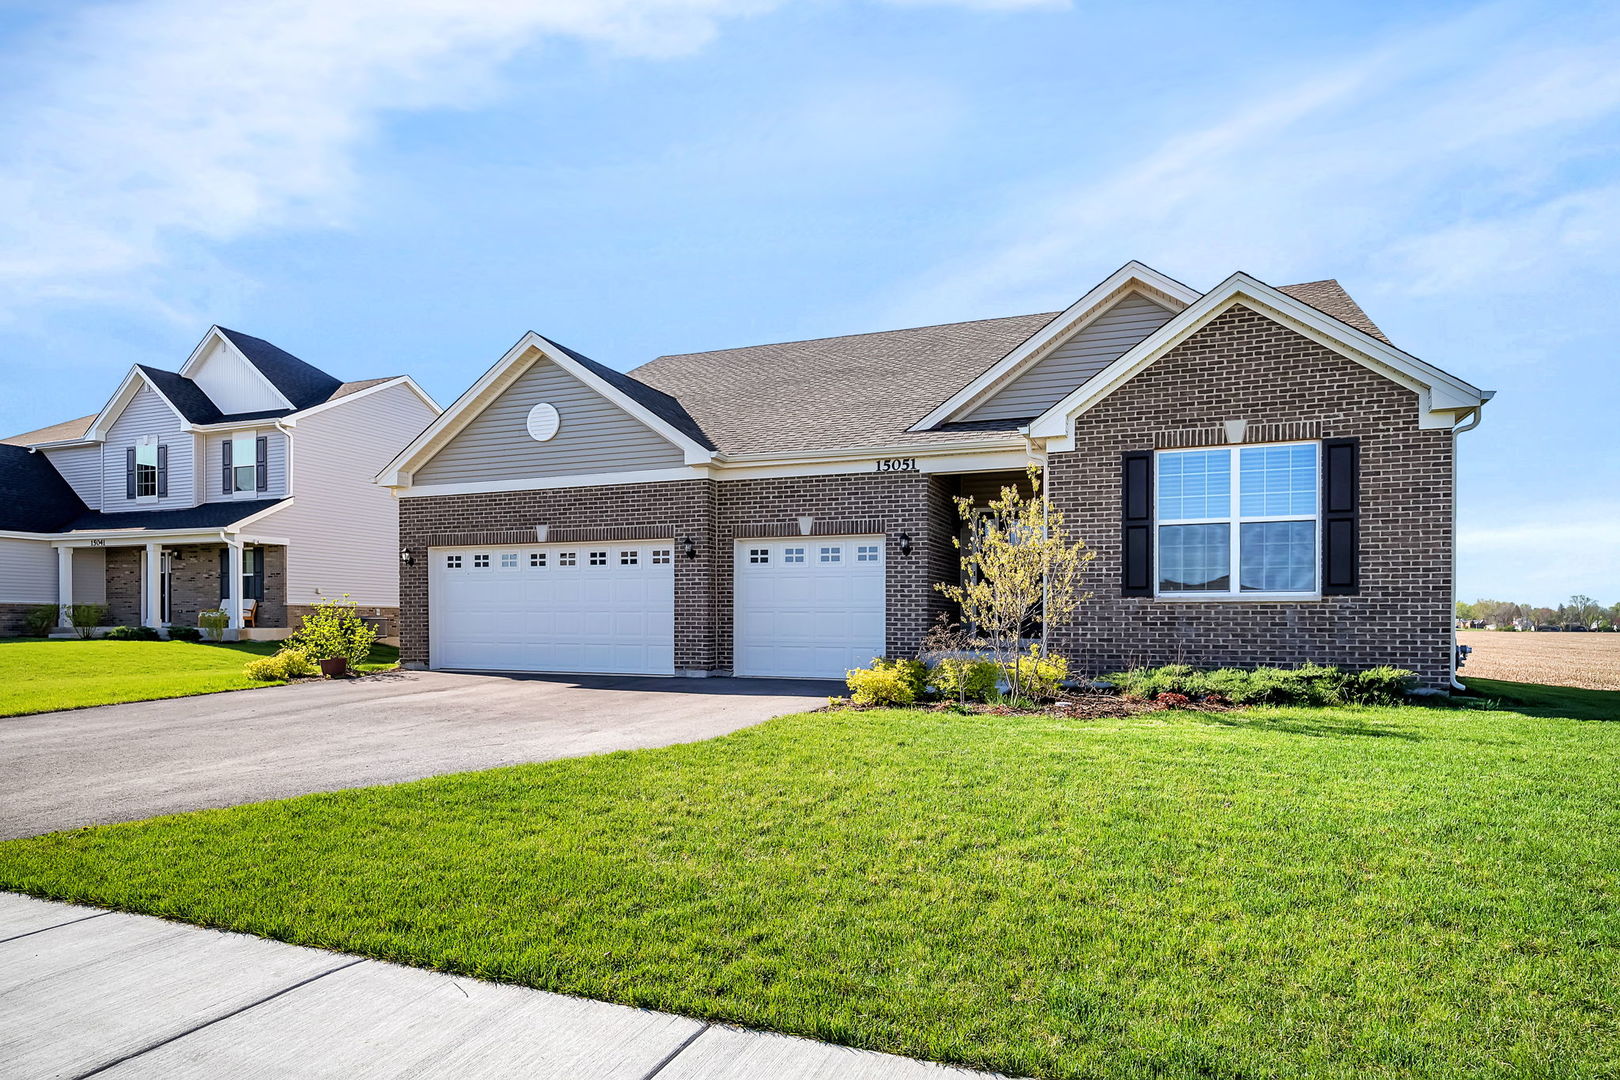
column 125, row 762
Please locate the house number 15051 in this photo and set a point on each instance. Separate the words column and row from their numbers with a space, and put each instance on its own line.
column 897, row 464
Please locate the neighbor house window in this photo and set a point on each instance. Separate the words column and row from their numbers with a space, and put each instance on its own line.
column 146, row 469
column 1238, row 520
column 244, row 461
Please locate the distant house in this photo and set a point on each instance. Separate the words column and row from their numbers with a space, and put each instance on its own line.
column 241, row 481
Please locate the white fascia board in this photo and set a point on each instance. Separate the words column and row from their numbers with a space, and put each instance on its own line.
column 97, row 431
column 291, row 419
column 14, row 534
column 128, row 538
column 545, row 483
column 1437, row 391
column 1133, row 275
column 202, row 346
column 489, row 386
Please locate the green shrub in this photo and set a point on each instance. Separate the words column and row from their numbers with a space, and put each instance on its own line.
column 213, row 623
column 286, row 664
column 40, row 620
column 184, row 633
column 886, row 682
column 965, row 678
column 84, row 618
column 1038, row 676
column 133, row 633
column 335, row 629
column 1308, row 684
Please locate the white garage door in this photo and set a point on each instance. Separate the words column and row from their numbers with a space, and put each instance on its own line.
column 591, row 607
column 810, row 607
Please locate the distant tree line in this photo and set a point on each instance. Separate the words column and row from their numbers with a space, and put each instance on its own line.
column 1580, row 611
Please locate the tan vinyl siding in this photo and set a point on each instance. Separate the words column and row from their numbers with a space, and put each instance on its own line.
column 342, row 529
column 148, row 414
column 595, row 436
column 1104, row 340
column 275, row 459
column 27, row 572
column 80, row 466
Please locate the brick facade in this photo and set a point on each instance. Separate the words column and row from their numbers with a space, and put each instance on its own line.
column 193, row 584
column 124, row 585
column 13, row 619
column 1244, row 366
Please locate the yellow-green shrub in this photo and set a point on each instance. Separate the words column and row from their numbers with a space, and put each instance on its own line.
column 286, row 664
column 887, row 682
column 1036, row 675
column 966, row 678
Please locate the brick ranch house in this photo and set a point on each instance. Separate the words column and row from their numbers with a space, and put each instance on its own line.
column 1264, row 477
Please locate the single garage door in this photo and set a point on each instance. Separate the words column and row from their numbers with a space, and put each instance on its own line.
column 810, row 607
column 591, row 607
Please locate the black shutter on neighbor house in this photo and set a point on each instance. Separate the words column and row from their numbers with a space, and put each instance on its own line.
column 129, row 473
column 1341, row 510
column 225, row 473
column 261, row 464
column 163, row 470
column 224, row 572
column 1136, row 504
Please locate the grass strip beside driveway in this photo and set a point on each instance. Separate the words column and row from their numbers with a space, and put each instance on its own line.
column 43, row 676
column 1324, row 892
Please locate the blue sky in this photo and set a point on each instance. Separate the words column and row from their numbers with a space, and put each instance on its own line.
column 408, row 186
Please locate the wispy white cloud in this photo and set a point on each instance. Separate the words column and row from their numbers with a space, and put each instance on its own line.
column 169, row 125
column 1448, row 158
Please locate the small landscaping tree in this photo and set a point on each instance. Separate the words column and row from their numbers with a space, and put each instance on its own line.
column 1020, row 565
column 332, row 630
column 85, row 618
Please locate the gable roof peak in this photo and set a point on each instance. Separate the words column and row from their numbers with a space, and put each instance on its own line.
column 301, row 383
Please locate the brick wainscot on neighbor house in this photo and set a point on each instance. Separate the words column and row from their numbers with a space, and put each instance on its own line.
column 244, row 481
column 1264, row 477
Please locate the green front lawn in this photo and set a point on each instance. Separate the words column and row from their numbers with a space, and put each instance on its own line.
column 1349, row 892
column 42, row 676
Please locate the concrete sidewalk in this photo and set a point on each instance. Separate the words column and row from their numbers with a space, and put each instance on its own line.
column 85, row 992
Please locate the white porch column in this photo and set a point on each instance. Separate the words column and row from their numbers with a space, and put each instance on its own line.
column 64, row 586
column 152, row 593
column 233, row 595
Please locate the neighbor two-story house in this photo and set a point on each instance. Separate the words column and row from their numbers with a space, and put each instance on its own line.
column 1263, row 476
column 243, row 481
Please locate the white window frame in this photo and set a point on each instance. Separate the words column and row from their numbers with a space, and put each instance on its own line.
column 245, row 442
column 146, row 446
column 1234, row 520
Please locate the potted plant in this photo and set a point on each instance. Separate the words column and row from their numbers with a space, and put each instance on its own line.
column 335, row 637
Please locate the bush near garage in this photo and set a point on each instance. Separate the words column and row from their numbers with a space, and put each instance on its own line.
column 335, row 629
column 284, row 665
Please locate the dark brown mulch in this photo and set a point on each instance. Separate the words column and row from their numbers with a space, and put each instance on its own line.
column 1081, row 707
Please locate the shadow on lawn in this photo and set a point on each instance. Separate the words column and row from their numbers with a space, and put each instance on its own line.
column 1291, row 724
column 1532, row 699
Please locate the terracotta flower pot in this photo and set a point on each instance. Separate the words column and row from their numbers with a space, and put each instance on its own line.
column 335, row 667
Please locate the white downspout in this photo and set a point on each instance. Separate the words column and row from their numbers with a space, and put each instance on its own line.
column 1467, row 425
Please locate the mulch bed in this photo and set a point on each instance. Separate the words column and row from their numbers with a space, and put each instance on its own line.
column 1082, row 707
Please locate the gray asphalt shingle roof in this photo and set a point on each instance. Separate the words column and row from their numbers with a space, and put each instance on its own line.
column 33, row 495
column 209, row 515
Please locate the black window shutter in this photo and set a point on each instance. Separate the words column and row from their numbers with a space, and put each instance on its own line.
column 1341, row 511
column 129, row 473
column 224, row 571
column 1136, row 504
column 261, row 464
column 163, row 470
column 225, row 474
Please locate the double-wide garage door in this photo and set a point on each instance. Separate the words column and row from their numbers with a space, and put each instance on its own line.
column 590, row 607
column 808, row 607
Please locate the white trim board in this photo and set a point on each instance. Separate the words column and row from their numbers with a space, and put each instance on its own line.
column 127, row 389
column 1441, row 397
column 1132, row 277
column 518, row 359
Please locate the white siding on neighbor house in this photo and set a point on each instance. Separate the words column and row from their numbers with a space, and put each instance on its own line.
column 80, row 466
column 148, row 414
column 1104, row 340
column 343, row 529
column 89, row 575
column 594, row 436
column 213, row 475
column 27, row 572
column 232, row 383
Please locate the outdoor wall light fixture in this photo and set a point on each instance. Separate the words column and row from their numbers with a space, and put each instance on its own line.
column 689, row 548
column 905, row 543
column 405, row 556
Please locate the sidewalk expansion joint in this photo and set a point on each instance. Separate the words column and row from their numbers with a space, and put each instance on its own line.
column 677, row 1052
column 54, row 926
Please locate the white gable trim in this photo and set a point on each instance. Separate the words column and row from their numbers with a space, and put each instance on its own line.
column 215, row 333
column 518, row 359
column 292, row 419
column 132, row 384
column 1441, row 397
column 1132, row 277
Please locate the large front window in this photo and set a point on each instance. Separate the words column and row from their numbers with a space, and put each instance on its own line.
column 1238, row 520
